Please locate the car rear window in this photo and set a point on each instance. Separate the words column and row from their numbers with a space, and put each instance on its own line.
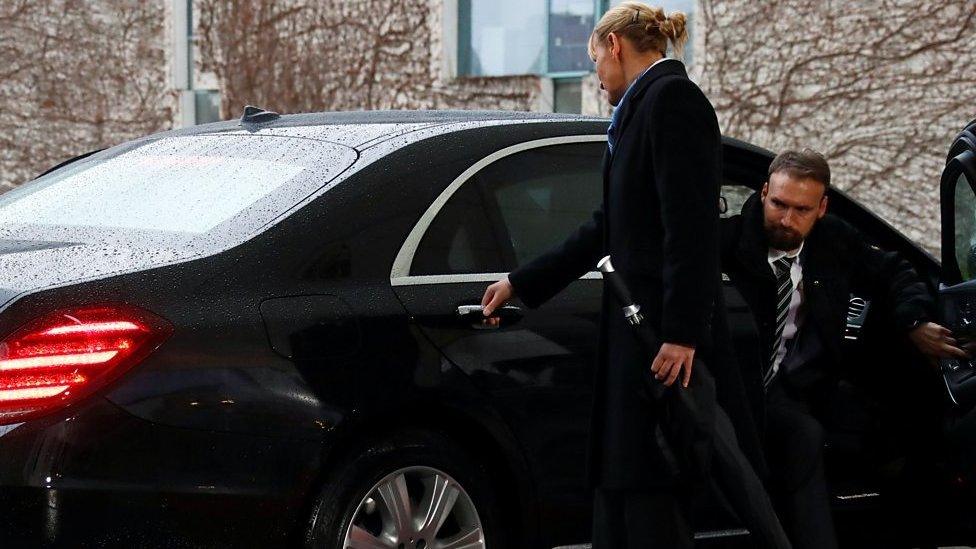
column 189, row 185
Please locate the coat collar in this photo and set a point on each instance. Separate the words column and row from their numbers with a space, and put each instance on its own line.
column 665, row 67
column 753, row 248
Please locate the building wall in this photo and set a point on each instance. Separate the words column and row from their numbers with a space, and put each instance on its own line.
column 880, row 86
column 294, row 56
column 77, row 76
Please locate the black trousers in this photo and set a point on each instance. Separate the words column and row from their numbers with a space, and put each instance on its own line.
column 794, row 451
column 640, row 519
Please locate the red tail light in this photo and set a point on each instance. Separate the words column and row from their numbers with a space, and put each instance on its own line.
column 54, row 360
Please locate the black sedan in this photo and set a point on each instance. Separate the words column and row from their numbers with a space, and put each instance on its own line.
column 267, row 333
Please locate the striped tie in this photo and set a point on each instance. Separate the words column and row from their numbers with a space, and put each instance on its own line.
column 784, row 291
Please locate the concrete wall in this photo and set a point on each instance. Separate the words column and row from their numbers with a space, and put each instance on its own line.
column 880, row 86
column 77, row 76
column 295, row 56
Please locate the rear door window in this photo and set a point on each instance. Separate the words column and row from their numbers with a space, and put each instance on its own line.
column 513, row 210
column 556, row 190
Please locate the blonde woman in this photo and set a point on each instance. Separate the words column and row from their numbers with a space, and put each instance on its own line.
column 659, row 222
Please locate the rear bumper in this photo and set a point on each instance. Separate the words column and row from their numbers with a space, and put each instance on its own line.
column 103, row 478
column 37, row 517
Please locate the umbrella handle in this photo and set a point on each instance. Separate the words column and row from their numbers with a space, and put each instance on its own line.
column 620, row 290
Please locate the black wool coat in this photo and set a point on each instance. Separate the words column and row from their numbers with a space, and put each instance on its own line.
column 659, row 222
column 836, row 259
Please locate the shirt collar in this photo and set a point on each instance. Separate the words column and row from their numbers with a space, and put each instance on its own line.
column 774, row 254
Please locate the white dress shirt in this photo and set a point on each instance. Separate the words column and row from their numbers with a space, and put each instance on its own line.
column 792, row 317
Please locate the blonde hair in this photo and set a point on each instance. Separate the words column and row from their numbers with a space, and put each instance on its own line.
column 645, row 26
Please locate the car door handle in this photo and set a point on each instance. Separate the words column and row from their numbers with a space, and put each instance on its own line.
column 473, row 315
column 504, row 310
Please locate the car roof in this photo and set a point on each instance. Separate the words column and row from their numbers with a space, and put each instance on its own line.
column 417, row 116
column 359, row 129
column 363, row 129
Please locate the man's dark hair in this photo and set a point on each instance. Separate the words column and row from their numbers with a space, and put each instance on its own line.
column 805, row 164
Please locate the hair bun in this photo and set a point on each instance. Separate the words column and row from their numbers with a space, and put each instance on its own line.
column 674, row 26
column 646, row 26
column 667, row 27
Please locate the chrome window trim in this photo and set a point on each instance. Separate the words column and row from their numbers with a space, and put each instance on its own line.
column 729, row 533
column 858, row 496
column 399, row 274
column 708, row 534
column 462, row 278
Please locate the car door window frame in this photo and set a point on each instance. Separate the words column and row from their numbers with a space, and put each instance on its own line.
column 400, row 273
column 963, row 164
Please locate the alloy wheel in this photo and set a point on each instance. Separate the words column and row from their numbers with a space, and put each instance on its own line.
column 415, row 508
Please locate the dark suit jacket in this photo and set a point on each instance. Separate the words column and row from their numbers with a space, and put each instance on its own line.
column 659, row 222
column 836, row 260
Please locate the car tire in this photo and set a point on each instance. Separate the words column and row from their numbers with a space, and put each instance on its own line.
column 428, row 467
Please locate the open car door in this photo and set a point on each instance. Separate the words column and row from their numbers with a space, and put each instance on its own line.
column 958, row 289
column 957, row 302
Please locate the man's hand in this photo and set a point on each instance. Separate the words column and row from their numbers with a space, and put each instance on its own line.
column 936, row 341
column 495, row 296
column 670, row 361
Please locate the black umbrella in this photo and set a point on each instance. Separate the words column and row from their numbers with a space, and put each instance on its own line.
column 700, row 430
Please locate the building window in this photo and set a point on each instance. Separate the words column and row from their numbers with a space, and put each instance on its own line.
column 570, row 25
column 512, row 37
column 567, row 95
column 501, row 37
column 544, row 37
column 540, row 37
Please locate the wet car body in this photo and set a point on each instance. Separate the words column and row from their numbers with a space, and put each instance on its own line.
column 317, row 316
